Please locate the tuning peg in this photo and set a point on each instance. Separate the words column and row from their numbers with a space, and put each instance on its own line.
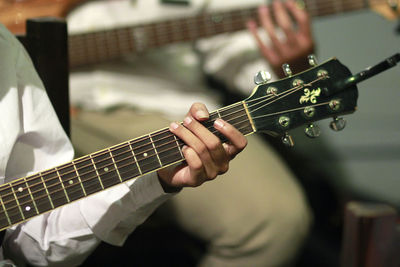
column 312, row 60
column 287, row 140
column 262, row 77
column 337, row 124
column 286, row 70
column 312, row 131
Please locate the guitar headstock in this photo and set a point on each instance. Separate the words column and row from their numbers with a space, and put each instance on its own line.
column 304, row 98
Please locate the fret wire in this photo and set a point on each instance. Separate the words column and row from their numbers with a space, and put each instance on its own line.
column 193, row 31
column 45, row 187
column 89, row 52
column 219, row 115
column 105, row 167
column 100, row 45
column 123, row 41
column 155, row 150
column 94, row 166
column 79, row 178
column 155, row 35
column 54, row 198
column 131, row 41
column 17, row 201
column 5, row 211
column 175, row 30
column 115, row 165
column 134, row 156
column 179, row 147
column 30, row 193
column 59, row 190
column 62, row 184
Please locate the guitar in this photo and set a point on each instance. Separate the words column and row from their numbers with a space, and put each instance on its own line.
column 326, row 90
column 99, row 46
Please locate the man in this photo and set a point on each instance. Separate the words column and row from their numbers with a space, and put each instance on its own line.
column 33, row 140
column 257, row 214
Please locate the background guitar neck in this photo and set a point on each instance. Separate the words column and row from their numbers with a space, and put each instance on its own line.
column 110, row 44
column 100, row 46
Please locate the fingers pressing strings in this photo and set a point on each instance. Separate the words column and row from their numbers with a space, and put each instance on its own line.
column 295, row 42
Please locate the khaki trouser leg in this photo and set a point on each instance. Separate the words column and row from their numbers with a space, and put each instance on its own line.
column 254, row 215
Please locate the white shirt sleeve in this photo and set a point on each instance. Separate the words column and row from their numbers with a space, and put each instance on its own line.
column 231, row 58
column 32, row 140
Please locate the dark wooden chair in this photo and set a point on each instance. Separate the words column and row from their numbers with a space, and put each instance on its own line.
column 371, row 236
column 46, row 41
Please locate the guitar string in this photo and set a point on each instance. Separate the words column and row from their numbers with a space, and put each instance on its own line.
column 135, row 141
column 132, row 142
column 122, row 146
column 76, row 189
column 167, row 34
column 63, row 196
column 302, row 86
column 104, row 54
column 118, row 147
column 231, row 13
column 290, row 91
column 290, row 110
column 57, row 177
column 61, row 189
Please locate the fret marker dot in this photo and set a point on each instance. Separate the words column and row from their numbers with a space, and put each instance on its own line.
column 70, row 182
column 145, row 154
column 106, row 169
column 27, row 208
column 20, row 189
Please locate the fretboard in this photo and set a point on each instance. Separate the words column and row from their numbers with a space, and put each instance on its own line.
column 30, row 196
column 100, row 46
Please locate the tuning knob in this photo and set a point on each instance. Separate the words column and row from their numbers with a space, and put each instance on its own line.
column 337, row 124
column 312, row 60
column 262, row 77
column 286, row 70
column 312, row 131
column 287, row 140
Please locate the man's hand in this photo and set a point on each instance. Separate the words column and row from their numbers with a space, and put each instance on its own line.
column 297, row 43
column 206, row 157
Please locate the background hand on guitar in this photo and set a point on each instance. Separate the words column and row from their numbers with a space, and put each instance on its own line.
column 206, row 157
column 297, row 41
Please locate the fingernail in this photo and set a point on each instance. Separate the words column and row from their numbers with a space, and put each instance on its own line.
column 173, row 126
column 218, row 123
column 201, row 114
column 187, row 120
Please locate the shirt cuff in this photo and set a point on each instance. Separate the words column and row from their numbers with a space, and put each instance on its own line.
column 114, row 213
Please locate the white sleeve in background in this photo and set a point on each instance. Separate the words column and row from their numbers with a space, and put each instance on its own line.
column 232, row 58
column 32, row 140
